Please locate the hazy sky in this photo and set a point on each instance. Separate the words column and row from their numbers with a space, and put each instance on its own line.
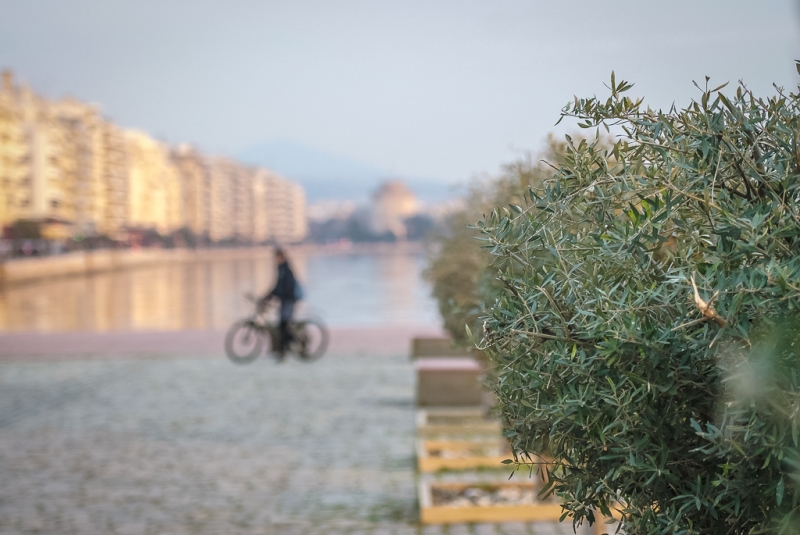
column 429, row 89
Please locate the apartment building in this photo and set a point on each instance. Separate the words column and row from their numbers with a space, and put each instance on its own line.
column 112, row 161
column 154, row 192
column 15, row 154
column 64, row 161
column 68, row 181
column 243, row 214
column 222, row 193
column 261, row 207
column 287, row 213
column 195, row 178
column 59, row 161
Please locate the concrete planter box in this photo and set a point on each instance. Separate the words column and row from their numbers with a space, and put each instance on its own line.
column 436, row 455
column 449, row 382
column 433, row 511
column 456, row 422
column 436, row 348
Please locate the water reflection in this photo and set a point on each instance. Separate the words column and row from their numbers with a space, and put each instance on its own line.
column 375, row 287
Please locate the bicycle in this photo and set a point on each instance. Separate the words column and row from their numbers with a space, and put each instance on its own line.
column 246, row 338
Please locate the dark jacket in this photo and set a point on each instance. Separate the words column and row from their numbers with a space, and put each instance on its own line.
column 284, row 289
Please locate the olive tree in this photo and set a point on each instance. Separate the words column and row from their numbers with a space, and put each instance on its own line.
column 646, row 336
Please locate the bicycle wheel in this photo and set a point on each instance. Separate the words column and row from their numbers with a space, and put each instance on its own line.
column 311, row 339
column 243, row 342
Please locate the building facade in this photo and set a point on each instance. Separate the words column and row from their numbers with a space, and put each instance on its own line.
column 195, row 179
column 64, row 161
column 154, row 193
column 286, row 220
column 15, row 154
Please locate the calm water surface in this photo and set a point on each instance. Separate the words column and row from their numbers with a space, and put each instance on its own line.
column 347, row 288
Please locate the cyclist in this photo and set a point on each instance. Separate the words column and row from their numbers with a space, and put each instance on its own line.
column 288, row 291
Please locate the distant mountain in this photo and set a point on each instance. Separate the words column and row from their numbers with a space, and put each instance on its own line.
column 326, row 175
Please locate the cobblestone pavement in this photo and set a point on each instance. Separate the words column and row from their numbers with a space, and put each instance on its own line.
column 180, row 446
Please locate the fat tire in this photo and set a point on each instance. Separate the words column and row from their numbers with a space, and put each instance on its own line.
column 322, row 331
column 230, row 338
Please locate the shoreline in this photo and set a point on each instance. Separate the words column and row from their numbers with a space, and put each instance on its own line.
column 30, row 346
column 19, row 271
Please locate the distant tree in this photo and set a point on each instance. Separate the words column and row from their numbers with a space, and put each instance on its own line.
column 355, row 228
column 184, row 237
column 358, row 229
column 418, row 226
column 648, row 322
column 464, row 284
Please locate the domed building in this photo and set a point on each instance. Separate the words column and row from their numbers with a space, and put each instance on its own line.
column 392, row 204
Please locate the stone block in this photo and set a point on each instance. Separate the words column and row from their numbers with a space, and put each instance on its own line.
column 432, row 347
column 437, row 455
column 459, row 423
column 449, row 382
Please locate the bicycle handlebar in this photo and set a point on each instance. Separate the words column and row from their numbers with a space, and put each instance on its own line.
column 261, row 305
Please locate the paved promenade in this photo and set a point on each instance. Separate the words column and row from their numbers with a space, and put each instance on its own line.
column 185, row 445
